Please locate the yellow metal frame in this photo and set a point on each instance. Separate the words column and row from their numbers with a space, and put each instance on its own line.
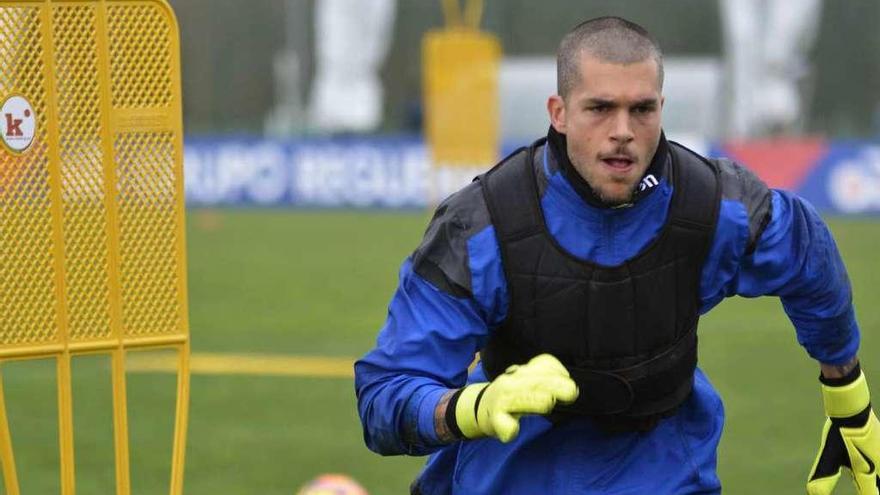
column 460, row 88
column 452, row 14
column 102, row 187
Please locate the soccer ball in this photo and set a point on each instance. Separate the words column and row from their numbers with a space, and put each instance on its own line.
column 332, row 484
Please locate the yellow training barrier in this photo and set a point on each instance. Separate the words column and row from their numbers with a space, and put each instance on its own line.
column 460, row 79
column 92, row 248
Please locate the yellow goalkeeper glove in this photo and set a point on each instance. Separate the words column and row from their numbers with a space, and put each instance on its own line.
column 493, row 409
column 851, row 437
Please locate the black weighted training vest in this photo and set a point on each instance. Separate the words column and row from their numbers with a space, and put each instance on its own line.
column 626, row 333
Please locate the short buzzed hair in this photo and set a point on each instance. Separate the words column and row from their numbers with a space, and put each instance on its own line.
column 611, row 39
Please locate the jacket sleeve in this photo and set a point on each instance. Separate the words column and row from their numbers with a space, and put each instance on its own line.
column 797, row 259
column 447, row 299
column 423, row 350
column 772, row 242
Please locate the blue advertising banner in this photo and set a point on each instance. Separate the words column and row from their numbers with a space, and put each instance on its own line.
column 395, row 172
column 847, row 180
column 387, row 172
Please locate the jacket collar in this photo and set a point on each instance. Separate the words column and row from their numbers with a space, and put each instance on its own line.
column 656, row 170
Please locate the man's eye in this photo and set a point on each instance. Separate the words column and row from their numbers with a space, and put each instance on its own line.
column 643, row 110
column 599, row 109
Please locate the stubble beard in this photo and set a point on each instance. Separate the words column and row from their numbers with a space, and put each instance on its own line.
column 610, row 200
column 613, row 202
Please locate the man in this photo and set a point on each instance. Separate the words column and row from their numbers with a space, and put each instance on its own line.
column 578, row 267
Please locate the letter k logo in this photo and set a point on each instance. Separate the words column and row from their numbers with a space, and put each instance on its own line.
column 18, row 124
column 13, row 126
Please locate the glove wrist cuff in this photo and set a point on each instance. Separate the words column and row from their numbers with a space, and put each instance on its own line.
column 847, row 400
column 850, row 377
column 449, row 418
column 466, row 410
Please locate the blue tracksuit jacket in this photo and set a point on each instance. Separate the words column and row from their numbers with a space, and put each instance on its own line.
column 452, row 294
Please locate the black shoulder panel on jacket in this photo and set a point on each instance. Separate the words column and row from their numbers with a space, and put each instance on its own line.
column 740, row 184
column 442, row 257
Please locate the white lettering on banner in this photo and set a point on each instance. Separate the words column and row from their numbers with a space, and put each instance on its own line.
column 320, row 178
column 369, row 176
column 199, row 172
column 360, row 176
column 227, row 173
column 231, row 168
column 304, row 181
column 410, row 183
column 267, row 181
column 854, row 185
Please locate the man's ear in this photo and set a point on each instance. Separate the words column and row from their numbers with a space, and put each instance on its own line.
column 556, row 109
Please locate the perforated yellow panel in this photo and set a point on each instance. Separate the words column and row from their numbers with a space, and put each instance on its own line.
column 91, row 201
column 148, row 208
column 86, row 250
column 140, row 65
column 91, row 240
column 28, row 305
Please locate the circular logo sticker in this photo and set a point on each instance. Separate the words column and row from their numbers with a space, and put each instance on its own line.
column 18, row 123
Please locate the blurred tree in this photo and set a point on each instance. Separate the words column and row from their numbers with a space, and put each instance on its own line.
column 845, row 97
column 227, row 52
column 228, row 48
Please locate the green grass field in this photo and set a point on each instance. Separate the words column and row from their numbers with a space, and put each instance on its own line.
column 317, row 283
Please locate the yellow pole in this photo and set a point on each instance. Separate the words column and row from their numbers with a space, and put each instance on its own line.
column 65, row 424
column 9, row 476
column 451, row 13
column 473, row 12
column 117, row 355
column 63, row 373
column 183, row 368
column 120, row 422
column 177, row 459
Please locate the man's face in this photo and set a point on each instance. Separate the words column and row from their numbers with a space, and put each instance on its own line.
column 611, row 119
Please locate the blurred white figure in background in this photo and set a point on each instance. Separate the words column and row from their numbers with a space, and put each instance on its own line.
column 288, row 115
column 766, row 44
column 351, row 41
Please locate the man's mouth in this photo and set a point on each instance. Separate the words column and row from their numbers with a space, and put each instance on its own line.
column 621, row 163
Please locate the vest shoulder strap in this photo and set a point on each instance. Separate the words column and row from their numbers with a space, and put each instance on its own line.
column 511, row 193
column 696, row 190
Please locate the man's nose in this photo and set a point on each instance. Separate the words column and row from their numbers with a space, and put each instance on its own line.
column 621, row 131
